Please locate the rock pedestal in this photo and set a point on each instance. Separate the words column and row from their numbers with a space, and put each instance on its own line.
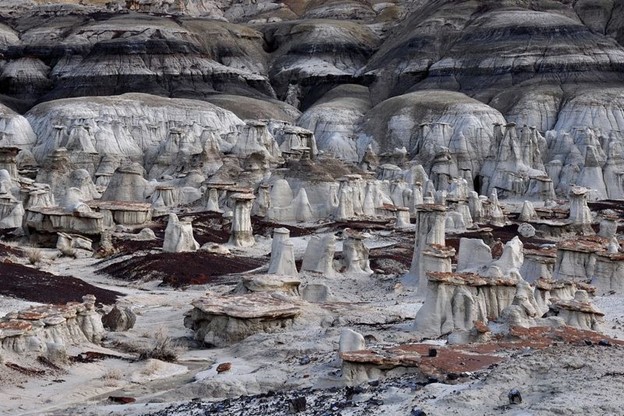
column 179, row 236
column 402, row 217
column 538, row 264
column 430, row 222
column 40, row 198
column 345, row 209
column 263, row 202
column 38, row 328
column 475, row 205
column 576, row 260
column 224, row 320
column 163, row 199
column 126, row 184
column 11, row 211
column 609, row 272
column 319, row 255
column 282, row 257
column 608, row 228
column 455, row 301
column 242, row 232
column 495, row 212
column 580, row 215
column 579, row 312
column 355, row 255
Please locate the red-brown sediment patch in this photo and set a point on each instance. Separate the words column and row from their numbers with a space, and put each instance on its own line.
column 401, row 253
column 262, row 227
column 181, row 269
column 208, row 227
column 473, row 357
column 610, row 204
column 34, row 285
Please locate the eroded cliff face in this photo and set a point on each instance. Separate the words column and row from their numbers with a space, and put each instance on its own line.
column 425, row 81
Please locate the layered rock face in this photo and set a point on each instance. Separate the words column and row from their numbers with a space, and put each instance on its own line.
column 135, row 52
column 423, row 83
column 49, row 329
column 142, row 128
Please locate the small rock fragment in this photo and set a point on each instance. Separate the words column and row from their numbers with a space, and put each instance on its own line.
column 417, row 412
column 121, row 399
column 514, row 396
column 223, row 367
column 526, row 230
column 351, row 341
column 298, row 404
column 374, row 402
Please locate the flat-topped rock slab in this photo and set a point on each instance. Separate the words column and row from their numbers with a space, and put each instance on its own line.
column 271, row 283
column 250, row 306
column 223, row 320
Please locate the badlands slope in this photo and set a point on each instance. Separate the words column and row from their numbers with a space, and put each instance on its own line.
column 149, row 151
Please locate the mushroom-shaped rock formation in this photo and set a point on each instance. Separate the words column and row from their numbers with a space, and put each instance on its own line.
column 269, row 283
column 579, row 312
column 223, row 320
column 580, row 214
column 355, row 253
column 242, row 231
column 127, row 184
column 455, row 301
column 40, row 328
column 430, row 222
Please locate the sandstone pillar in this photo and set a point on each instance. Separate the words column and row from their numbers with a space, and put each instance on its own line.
column 242, row 232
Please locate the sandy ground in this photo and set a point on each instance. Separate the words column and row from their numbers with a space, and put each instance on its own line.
column 302, row 361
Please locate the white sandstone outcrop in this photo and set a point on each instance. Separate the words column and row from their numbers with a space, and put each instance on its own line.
column 282, row 254
column 333, row 119
column 457, row 301
column 39, row 329
column 473, row 255
column 430, row 222
column 114, row 128
column 319, row 255
column 355, row 253
column 179, row 236
column 579, row 312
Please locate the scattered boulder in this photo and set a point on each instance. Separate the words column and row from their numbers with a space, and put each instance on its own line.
column 120, row 318
column 351, row 341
